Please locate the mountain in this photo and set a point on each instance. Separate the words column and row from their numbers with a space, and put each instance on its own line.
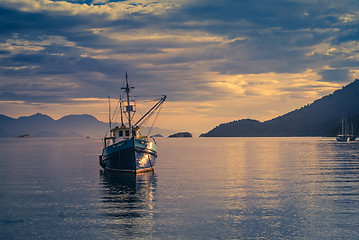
column 6, row 123
column 40, row 125
column 320, row 118
column 85, row 125
column 33, row 124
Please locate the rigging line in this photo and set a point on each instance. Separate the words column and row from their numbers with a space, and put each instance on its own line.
column 153, row 122
column 135, row 107
column 159, row 110
column 147, row 96
column 146, row 119
column 139, row 109
column 116, row 109
column 153, row 108
column 144, row 122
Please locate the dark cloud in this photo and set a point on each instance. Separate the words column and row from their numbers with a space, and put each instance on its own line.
column 258, row 15
column 33, row 24
column 44, row 47
column 350, row 33
column 33, row 98
column 278, row 35
column 347, row 63
column 335, row 75
column 68, row 63
column 2, row 52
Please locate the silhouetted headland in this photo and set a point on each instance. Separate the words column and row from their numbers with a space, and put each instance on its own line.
column 320, row 118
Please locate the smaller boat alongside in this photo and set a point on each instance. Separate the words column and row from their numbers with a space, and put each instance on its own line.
column 346, row 135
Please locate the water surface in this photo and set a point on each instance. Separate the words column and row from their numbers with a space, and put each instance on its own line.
column 202, row 188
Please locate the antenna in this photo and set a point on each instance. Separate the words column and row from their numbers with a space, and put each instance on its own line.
column 109, row 111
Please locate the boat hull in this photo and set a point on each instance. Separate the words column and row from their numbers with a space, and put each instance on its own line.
column 346, row 138
column 131, row 155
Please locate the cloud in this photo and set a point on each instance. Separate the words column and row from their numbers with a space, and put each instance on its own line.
column 110, row 9
column 335, row 75
column 278, row 36
column 197, row 52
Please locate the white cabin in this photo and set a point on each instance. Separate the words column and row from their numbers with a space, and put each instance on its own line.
column 120, row 133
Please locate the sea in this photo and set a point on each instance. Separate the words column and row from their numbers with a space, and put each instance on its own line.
column 202, row 188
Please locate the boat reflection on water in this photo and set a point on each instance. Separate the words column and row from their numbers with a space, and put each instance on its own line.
column 128, row 202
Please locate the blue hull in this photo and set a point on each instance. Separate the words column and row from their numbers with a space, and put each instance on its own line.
column 129, row 156
column 346, row 138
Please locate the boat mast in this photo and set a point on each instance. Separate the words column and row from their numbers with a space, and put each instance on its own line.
column 352, row 132
column 109, row 111
column 121, row 112
column 129, row 108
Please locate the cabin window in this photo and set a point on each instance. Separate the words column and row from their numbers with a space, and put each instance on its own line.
column 127, row 133
column 120, row 133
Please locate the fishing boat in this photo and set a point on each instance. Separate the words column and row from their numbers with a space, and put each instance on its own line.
column 346, row 135
column 125, row 149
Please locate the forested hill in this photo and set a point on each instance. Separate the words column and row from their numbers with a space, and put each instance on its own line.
column 320, row 118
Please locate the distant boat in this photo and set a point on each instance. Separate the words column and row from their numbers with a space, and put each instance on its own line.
column 125, row 150
column 346, row 135
column 25, row 136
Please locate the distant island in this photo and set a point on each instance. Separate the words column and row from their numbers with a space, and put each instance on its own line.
column 320, row 118
column 181, row 135
column 157, row 135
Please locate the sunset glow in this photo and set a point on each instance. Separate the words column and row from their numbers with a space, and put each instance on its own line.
column 216, row 61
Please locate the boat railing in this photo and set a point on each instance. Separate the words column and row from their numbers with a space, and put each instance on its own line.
column 107, row 141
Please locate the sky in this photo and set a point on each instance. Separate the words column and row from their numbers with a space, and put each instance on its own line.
column 217, row 61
